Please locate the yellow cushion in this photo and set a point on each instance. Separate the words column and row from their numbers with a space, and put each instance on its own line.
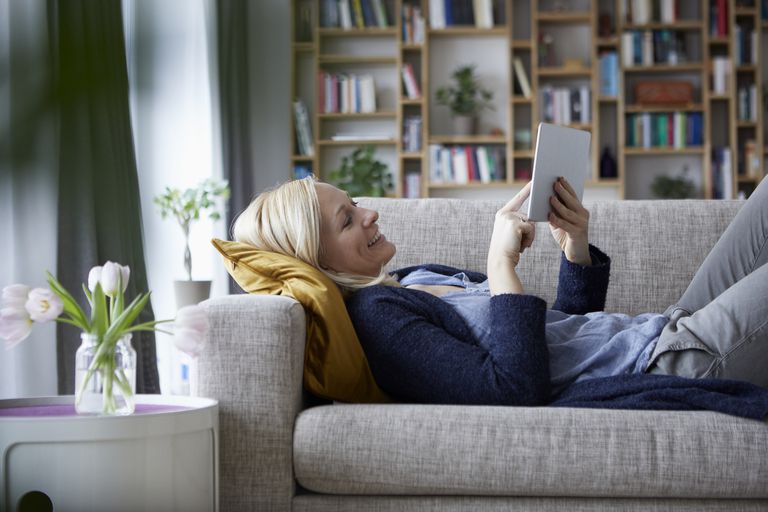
column 335, row 366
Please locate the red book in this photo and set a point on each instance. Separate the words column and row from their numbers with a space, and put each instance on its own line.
column 722, row 17
column 474, row 172
column 321, row 92
column 670, row 130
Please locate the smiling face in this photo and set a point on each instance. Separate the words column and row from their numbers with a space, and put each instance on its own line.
column 350, row 238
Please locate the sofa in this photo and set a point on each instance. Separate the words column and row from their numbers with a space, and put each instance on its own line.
column 282, row 449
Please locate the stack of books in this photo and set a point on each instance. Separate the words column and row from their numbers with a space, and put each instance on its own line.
column 609, row 74
column 480, row 13
column 465, row 164
column 565, row 105
column 648, row 47
column 345, row 93
column 348, row 14
column 667, row 129
column 413, row 24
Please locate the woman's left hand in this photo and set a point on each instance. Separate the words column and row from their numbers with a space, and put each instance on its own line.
column 569, row 223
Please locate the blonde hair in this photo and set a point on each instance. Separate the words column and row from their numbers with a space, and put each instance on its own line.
column 286, row 220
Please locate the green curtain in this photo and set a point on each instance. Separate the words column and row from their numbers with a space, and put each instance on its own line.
column 99, row 206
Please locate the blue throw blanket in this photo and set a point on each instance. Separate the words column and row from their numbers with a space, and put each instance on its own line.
column 663, row 392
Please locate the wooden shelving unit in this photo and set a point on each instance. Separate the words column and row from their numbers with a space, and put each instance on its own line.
column 523, row 25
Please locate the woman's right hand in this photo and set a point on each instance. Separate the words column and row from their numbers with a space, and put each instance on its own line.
column 512, row 231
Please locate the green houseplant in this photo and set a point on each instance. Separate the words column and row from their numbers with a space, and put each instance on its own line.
column 465, row 97
column 673, row 187
column 186, row 206
column 361, row 174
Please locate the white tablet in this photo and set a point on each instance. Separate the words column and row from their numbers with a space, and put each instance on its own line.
column 560, row 151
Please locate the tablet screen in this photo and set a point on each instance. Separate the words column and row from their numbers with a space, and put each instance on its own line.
column 560, row 151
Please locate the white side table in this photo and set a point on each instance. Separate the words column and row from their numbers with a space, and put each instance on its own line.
column 162, row 457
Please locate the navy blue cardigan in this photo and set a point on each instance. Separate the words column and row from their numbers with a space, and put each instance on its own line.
column 420, row 350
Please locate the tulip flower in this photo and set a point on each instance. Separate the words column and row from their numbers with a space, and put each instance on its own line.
column 15, row 323
column 15, row 326
column 43, row 305
column 108, row 276
column 93, row 277
column 15, row 296
column 190, row 329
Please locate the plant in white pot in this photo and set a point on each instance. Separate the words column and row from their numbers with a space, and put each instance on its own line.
column 186, row 206
column 466, row 98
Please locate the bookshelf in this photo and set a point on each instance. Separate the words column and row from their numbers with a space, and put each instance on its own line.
column 562, row 47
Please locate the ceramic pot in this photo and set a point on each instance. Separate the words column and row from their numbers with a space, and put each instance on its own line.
column 464, row 125
column 191, row 292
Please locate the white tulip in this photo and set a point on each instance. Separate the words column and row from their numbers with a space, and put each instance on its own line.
column 15, row 325
column 191, row 329
column 111, row 274
column 94, row 276
column 14, row 296
column 43, row 305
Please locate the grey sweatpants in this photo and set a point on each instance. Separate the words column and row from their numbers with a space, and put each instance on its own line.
column 719, row 327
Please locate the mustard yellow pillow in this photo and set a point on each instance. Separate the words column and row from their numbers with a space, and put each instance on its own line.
column 335, row 366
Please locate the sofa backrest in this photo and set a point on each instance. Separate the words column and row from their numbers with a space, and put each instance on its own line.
column 655, row 246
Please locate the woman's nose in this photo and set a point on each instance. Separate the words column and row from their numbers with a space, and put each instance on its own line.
column 370, row 217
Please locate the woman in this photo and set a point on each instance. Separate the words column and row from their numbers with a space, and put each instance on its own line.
column 436, row 334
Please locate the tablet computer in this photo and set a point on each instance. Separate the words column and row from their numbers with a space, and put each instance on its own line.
column 560, row 151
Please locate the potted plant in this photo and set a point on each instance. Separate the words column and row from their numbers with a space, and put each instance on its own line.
column 186, row 207
column 361, row 174
column 670, row 187
column 466, row 99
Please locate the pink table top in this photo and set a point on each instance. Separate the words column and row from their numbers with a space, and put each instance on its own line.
column 69, row 410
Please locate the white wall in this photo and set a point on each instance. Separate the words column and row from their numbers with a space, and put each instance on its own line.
column 174, row 136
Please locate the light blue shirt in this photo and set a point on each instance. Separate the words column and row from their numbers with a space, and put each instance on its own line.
column 580, row 347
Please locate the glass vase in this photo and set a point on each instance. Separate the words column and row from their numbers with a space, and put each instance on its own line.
column 105, row 377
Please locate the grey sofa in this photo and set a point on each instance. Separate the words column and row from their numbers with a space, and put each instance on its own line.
column 283, row 450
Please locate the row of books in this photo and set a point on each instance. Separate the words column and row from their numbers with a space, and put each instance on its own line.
column 721, row 73
column 350, row 14
column 747, row 46
column 722, row 173
column 303, row 133
column 609, row 73
column 412, row 134
column 718, row 18
column 413, row 24
column 746, row 103
column 346, row 93
column 667, row 129
column 565, row 105
column 412, row 185
column 412, row 89
column 641, row 12
column 648, row 47
column 465, row 164
column 480, row 13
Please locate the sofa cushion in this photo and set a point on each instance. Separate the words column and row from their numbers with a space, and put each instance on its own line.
column 655, row 246
column 504, row 451
column 335, row 366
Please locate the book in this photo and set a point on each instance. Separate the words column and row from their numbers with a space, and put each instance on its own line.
column 345, row 15
column 483, row 164
column 522, row 78
column 412, row 185
column 483, row 13
column 436, row 14
column 303, row 133
column 412, row 89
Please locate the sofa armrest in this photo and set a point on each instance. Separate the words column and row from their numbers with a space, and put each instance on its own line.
column 253, row 365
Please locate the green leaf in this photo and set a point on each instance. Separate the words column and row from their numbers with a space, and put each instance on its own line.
column 122, row 322
column 99, row 315
column 71, row 307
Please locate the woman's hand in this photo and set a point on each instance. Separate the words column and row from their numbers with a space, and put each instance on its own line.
column 569, row 223
column 512, row 234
